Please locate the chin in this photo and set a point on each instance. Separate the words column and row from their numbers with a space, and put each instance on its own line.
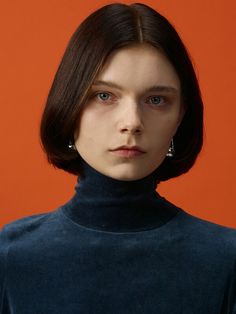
column 126, row 174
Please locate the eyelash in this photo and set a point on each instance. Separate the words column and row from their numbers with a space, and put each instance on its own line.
column 163, row 98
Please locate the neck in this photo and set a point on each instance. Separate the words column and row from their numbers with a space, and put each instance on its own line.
column 108, row 204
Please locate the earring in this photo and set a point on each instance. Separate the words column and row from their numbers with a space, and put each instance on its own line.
column 171, row 150
column 71, row 146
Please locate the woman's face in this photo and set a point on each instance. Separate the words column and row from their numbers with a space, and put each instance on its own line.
column 134, row 101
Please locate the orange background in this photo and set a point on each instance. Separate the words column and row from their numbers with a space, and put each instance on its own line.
column 34, row 35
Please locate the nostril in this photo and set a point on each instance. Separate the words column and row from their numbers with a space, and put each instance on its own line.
column 131, row 130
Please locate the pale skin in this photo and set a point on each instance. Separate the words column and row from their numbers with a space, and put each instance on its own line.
column 130, row 115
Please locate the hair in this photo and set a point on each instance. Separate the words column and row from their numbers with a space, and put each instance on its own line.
column 111, row 27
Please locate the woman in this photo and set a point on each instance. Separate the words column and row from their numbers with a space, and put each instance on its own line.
column 124, row 113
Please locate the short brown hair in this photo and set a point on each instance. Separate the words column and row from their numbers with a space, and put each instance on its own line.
column 111, row 27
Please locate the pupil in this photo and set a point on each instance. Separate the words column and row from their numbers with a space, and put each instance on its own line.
column 156, row 98
column 102, row 95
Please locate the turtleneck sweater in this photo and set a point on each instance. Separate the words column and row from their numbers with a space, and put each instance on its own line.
column 107, row 204
column 117, row 247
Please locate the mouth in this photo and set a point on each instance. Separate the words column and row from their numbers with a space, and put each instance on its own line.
column 128, row 151
column 129, row 148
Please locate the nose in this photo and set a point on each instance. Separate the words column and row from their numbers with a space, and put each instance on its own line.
column 131, row 119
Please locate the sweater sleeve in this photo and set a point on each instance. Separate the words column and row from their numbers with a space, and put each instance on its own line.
column 232, row 293
column 229, row 304
column 4, row 308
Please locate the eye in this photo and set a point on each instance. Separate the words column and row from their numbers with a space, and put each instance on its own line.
column 103, row 96
column 157, row 100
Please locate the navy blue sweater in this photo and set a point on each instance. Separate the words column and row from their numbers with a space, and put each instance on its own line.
column 117, row 247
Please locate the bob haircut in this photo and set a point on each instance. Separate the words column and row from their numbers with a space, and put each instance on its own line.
column 111, row 27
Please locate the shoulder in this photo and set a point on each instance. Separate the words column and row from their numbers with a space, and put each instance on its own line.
column 207, row 235
column 23, row 230
column 195, row 225
column 203, row 235
column 209, row 228
column 20, row 227
column 8, row 235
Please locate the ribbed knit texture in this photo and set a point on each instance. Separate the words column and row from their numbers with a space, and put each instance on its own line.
column 108, row 204
column 117, row 247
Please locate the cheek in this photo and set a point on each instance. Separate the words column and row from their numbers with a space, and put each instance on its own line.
column 86, row 119
column 91, row 127
column 163, row 127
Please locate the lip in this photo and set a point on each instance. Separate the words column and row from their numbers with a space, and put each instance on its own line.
column 131, row 148
column 129, row 153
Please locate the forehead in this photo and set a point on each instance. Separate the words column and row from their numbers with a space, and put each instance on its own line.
column 138, row 66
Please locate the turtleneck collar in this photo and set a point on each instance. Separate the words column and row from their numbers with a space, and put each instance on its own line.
column 107, row 204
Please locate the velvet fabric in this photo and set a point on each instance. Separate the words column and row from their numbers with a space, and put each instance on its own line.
column 117, row 247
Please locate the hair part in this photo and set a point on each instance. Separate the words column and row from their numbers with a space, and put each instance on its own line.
column 112, row 27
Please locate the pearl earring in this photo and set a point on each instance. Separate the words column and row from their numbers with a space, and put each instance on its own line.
column 171, row 150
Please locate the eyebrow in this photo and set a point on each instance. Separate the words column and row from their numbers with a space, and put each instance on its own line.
column 154, row 88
